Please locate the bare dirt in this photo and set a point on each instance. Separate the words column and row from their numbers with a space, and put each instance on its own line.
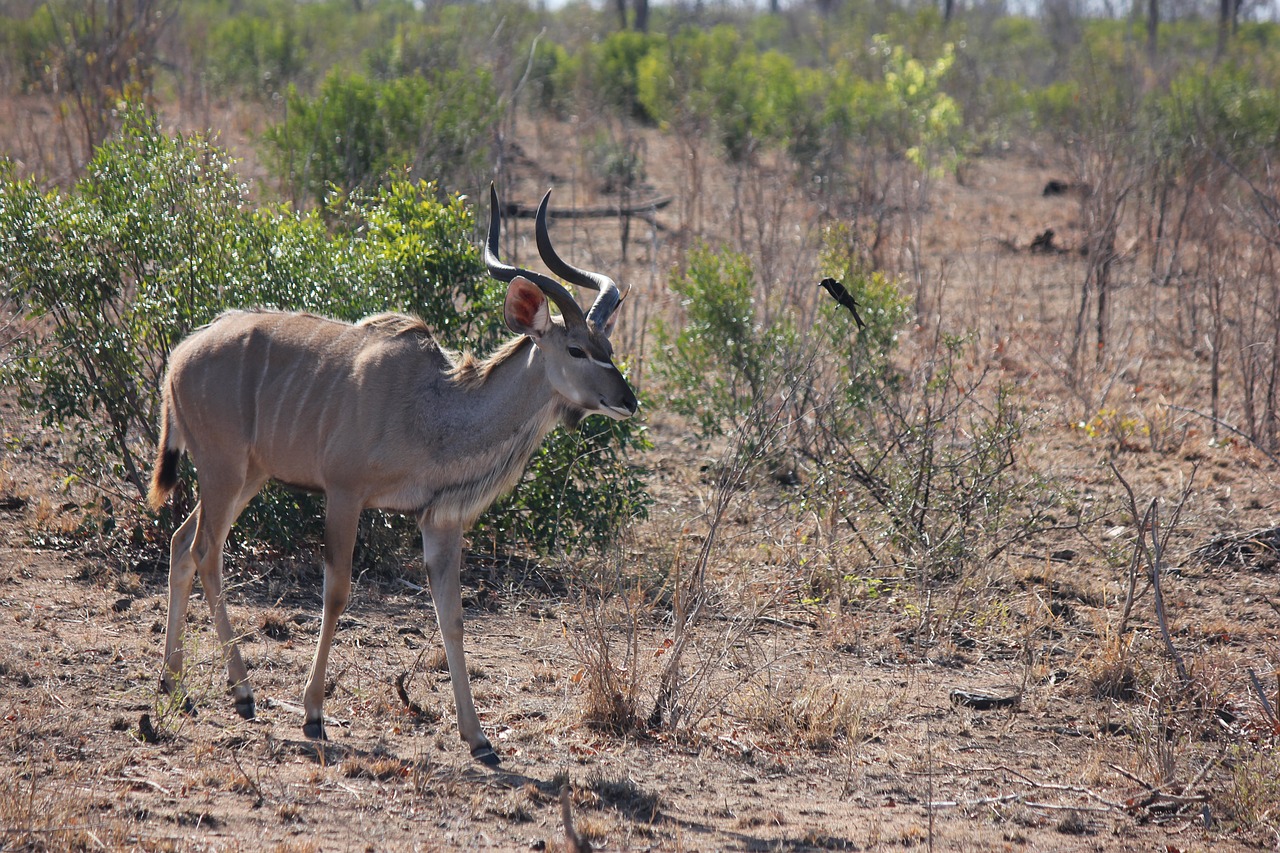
column 819, row 729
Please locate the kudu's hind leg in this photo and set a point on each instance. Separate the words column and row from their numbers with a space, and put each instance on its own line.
column 442, row 550
column 342, row 518
column 211, row 537
column 197, row 547
column 182, row 573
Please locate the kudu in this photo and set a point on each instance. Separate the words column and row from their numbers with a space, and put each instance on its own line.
column 375, row 415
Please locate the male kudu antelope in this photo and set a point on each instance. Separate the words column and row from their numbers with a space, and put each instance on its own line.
column 375, row 415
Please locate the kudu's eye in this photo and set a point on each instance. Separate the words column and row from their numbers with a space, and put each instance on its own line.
column 577, row 352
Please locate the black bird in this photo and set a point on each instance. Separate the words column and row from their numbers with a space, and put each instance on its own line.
column 839, row 294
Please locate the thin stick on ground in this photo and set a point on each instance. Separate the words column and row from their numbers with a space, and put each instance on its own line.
column 1149, row 522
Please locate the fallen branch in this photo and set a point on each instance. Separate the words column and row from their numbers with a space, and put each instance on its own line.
column 411, row 706
column 1047, row 786
column 1262, row 698
column 642, row 210
column 1230, row 428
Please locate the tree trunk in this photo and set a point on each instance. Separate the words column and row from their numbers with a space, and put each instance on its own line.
column 641, row 22
column 1153, row 25
column 1224, row 23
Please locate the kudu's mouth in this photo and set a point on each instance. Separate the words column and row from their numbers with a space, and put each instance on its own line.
column 618, row 413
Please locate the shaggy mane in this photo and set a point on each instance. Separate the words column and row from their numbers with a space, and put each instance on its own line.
column 471, row 372
column 396, row 324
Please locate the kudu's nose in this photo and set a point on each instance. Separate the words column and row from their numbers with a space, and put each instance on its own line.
column 624, row 408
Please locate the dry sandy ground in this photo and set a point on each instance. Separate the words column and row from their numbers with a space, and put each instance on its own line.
column 81, row 631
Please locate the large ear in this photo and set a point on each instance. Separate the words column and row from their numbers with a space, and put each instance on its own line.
column 607, row 331
column 526, row 308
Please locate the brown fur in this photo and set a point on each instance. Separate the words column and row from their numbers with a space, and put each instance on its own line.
column 472, row 372
column 375, row 415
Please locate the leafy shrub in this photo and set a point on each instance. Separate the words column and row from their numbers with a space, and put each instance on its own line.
column 917, row 456
column 26, row 44
column 615, row 164
column 123, row 267
column 614, row 69
column 729, row 352
column 698, row 81
column 1226, row 111
column 703, row 81
column 552, row 75
column 255, row 56
column 915, row 116
column 864, row 359
column 157, row 239
column 579, row 489
column 723, row 358
column 355, row 132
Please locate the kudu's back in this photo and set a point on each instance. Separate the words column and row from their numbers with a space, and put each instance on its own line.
column 294, row 397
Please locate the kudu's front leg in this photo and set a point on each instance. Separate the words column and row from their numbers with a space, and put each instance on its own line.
column 342, row 518
column 442, row 551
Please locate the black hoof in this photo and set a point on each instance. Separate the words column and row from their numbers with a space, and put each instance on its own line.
column 188, row 707
column 485, row 755
column 246, row 708
column 314, row 729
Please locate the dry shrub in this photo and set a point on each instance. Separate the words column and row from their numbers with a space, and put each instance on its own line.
column 811, row 712
column 1253, row 799
column 610, row 687
column 37, row 814
column 1112, row 674
column 381, row 768
column 276, row 624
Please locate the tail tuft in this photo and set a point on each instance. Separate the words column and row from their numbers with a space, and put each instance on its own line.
column 164, row 478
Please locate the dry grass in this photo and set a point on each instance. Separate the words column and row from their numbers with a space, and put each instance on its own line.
column 813, row 685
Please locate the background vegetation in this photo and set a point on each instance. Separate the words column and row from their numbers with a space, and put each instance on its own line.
column 895, row 470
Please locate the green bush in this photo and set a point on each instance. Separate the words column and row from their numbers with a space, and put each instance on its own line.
column 254, row 56
column 615, row 164
column 580, row 488
column 26, row 43
column 355, row 132
column 158, row 238
column 723, row 358
column 729, row 351
column 1226, row 111
column 122, row 268
column 553, row 72
column 918, row 457
column 864, row 359
column 613, row 68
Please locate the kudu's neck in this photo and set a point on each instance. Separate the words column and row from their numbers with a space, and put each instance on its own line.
column 509, row 393
column 504, row 406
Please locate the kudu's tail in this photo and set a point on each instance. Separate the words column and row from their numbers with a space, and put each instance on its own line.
column 164, row 477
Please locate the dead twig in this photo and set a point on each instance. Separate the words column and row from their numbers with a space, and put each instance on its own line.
column 1262, row 698
column 573, row 843
column 1230, row 428
column 1149, row 522
column 640, row 210
column 411, row 706
column 1159, row 795
column 1046, row 786
column 1157, row 560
